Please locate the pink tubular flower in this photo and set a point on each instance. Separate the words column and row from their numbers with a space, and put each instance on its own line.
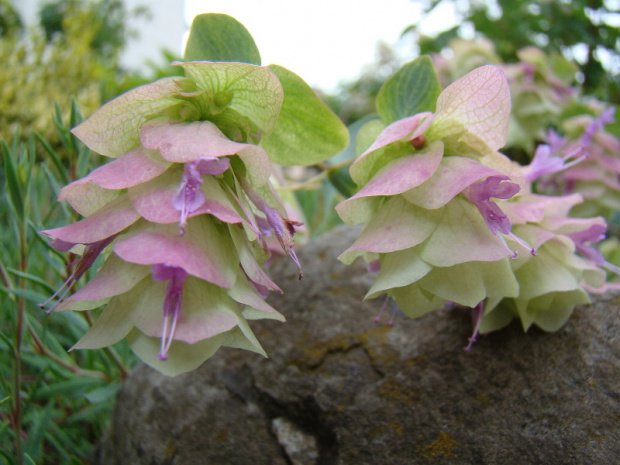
column 546, row 162
column 189, row 196
column 175, row 276
column 480, row 194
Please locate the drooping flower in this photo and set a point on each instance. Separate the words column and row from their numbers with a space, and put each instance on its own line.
column 181, row 213
column 596, row 176
column 451, row 220
column 426, row 184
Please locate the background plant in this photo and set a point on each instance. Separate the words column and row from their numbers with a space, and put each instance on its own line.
column 65, row 398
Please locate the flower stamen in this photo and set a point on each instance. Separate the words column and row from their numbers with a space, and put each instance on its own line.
column 173, row 302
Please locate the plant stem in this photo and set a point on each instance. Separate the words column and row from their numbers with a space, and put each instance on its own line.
column 72, row 368
column 19, row 333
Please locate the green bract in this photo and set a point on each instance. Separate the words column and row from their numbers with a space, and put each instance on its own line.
column 449, row 219
column 184, row 211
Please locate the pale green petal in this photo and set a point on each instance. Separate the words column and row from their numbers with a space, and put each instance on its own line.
column 111, row 327
column 81, row 305
column 206, row 311
column 182, row 357
column 469, row 283
column 88, row 198
column 398, row 269
column 543, row 274
column 361, row 210
column 461, row 235
column 255, row 307
column 497, row 317
column 414, row 301
column 550, row 311
column 398, row 225
column 114, row 128
column 475, row 108
column 249, row 261
column 349, row 257
column 242, row 337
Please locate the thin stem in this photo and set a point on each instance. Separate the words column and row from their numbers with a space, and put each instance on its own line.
column 326, row 169
column 72, row 368
column 19, row 332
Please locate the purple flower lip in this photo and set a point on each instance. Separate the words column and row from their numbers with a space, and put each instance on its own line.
column 189, row 196
column 607, row 117
column 547, row 162
column 83, row 264
column 173, row 301
column 283, row 228
column 584, row 238
column 476, row 315
column 480, row 194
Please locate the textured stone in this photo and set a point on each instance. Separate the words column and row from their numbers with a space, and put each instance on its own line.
column 339, row 389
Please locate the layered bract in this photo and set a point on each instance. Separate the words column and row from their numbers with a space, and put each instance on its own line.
column 181, row 214
column 447, row 218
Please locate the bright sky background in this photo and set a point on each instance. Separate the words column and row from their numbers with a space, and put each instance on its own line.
column 324, row 41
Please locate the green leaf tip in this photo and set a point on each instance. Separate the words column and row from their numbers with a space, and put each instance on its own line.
column 219, row 37
column 307, row 132
column 413, row 89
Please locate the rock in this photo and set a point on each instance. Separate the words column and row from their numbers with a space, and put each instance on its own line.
column 339, row 389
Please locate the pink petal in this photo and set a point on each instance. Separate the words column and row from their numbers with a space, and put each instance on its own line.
column 478, row 103
column 131, row 169
column 533, row 208
column 398, row 130
column 399, row 225
column 186, row 142
column 202, row 251
column 403, row 173
column 452, row 177
column 154, row 200
column 114, row 278
column 109, row 220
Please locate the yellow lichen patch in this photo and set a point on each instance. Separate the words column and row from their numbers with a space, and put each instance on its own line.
column 171, row 450
column 392, row 390
column 441, row 447
column 313, row 352
column 398, row 428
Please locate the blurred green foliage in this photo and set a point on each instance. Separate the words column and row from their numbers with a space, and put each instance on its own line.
column 73, row 53
column 54, row 404
column 555, row 26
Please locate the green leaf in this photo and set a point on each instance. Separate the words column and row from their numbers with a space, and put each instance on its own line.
column 251, row 91
column 12, row 182
column 307, row 132
column 413, row 89
column 219, row 37
column 103, row 393
column 62, row 171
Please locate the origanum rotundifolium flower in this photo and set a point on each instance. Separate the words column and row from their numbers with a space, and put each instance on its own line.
column 450, row 220
column 181, row 215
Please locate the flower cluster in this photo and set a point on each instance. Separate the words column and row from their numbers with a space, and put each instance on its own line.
column 540, row 86
column 449, row 219
column 181, row 215
column 597, row 178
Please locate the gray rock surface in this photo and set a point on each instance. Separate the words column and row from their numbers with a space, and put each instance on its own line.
column 339, row 389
